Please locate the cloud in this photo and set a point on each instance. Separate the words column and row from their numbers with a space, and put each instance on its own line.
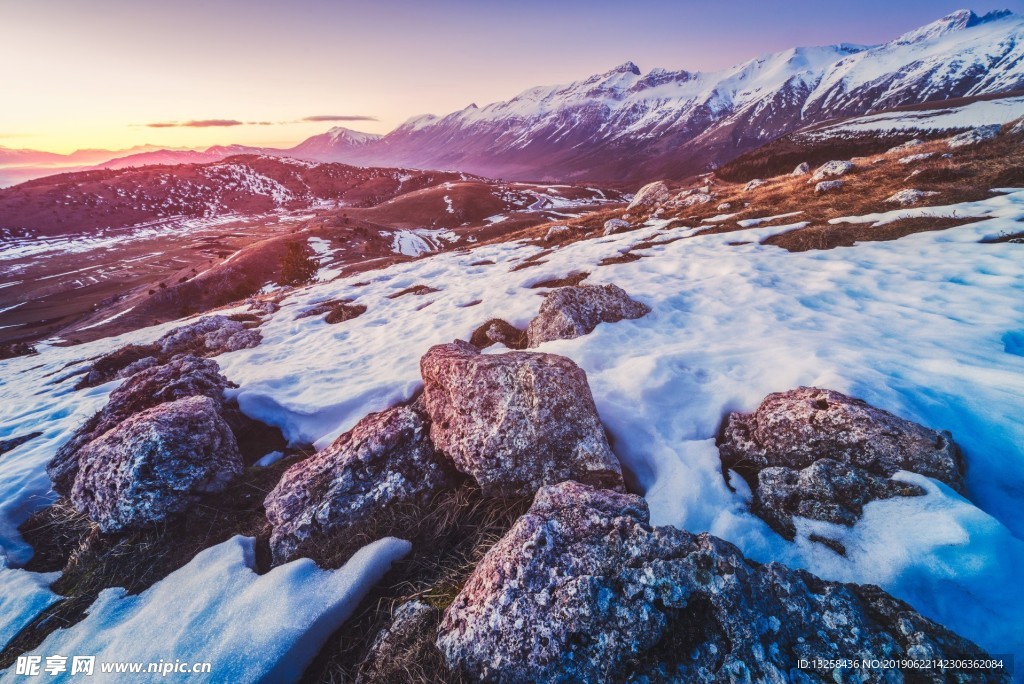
column 198, row 123
column 339, row 117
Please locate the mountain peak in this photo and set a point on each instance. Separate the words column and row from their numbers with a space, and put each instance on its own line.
column 626, row 68
column 955, row 21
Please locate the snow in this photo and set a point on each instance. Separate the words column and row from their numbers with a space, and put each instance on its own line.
column 107, row 320
column 928, row 327
column 216, row 609
column 419, row 241
column 23, row 595
column 982, row 113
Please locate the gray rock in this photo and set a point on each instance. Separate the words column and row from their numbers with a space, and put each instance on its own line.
column 557, row 233
column 386, row 460
column 155, row 464
column 650, row 195
column 820, row 454
column 829, row 186
column 185, row 376
column 974, row 136
column 583, row 589
column 914, row 142
column 613, row 226
column 831, row 169
column 570, row 312
column 754, row 184
column 208, row 336
column 914, row 158
column 515, row 421
column 802, row 169
column 724, row 206
column 910, row 196
column 403, row 645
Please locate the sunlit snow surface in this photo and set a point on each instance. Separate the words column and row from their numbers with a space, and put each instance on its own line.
column 925, row 327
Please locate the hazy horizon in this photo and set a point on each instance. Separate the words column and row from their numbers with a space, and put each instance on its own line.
column 268, row 74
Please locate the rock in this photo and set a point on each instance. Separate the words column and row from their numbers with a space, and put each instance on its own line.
column 209, row 336
column 556, row 233
column 914, row 158
column 404, row 644
column 724, row 206
column 910, row 196
column 498, row 331
column 120, row 363
column 344, row 312
column 1018, row 128
column 779, row 450
column 186, row 376
column 15, row 442
column 649, row 195
column 802, row 169
column 155, row 464
column 613, row 226
column 570, row 312
column 694, row 199
column 515, row 421
column 914, row 142
column 583, row 589
column 831, row 169
column 386, row 460
column 756, row 183
column 658, row 213
column 828, row 186
column 263, row 307
column 974, row 136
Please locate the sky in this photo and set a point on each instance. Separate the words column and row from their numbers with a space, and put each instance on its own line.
column 193, row 73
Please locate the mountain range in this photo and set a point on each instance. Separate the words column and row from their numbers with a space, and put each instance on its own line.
column 625, row 125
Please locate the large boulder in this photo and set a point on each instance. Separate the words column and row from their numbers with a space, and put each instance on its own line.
column 583, row 589
column 209, row 336
column 155, row 463
column 831, row 169
column 613, row 226
column 185, row 376
column 819, row 454
column 650, row 195
column 515, row 421
column 802, row 169
column 974, row 136
column 571, row 312
column 386, row 460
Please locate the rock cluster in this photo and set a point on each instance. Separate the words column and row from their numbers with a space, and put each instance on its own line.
column 819, row 454
column 571, row 312
column 974, row 136
column 582, row 588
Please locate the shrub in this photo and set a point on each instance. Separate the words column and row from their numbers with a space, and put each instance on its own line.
column 297, row 266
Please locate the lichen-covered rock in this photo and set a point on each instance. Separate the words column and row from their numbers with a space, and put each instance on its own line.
column 401, row 645
column 914, row 158
column 387, row 459
column 754, row 184
column 120, row 363
column 209, row 336
column 185, row 376
column 974, row 136
column 829, row 186
column 515, row 421
column 724, row 206
column 649, row 195
column 802, row 169
column 693, row 199
column 819, row 454
column 910, row 196
column 583, row 589
column 155, row 463
column 613, row 226
column 831, row 169
column 556, row 233
column 571, row 312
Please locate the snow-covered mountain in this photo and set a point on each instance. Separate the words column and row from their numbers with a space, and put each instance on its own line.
column 335, row 143
column 627, row 125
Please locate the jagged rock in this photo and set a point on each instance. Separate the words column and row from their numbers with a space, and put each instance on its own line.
column 386, row 460
column 831, row 169
column 754, row 184
column 155, row 463
column 974, row 136
column 829, row 186
column 186, row 376
column 650, row 194
column 498, row 331
column 400, row 644
column 583, row 589
column 819, row 454
column 515, row 421
column 613, row 226
column 209, row 336
column 914, row 158
column 910, row 196
column 557, row 233
column 693, row 199
column 571, row 312
column 802, row 169
column 914, row 142
column 1018, row 128
column 120, row 363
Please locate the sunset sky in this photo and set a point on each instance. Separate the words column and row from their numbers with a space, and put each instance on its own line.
column 100, row 73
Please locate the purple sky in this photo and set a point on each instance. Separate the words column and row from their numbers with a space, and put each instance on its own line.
column 98, row 73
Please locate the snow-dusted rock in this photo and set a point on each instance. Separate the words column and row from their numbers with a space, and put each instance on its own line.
column 802, row 169
column 515, row 421
column 910, row 196
column 571, row 312
column 582, row 588
column 186, row 376
column 155, row 463
column 914, row 158
column 756, row 183
column 613, row 226
column 209, row 336
column 386, row 460
column 829, row 186
column 830, row 170
column 693, row 199
column 914, row 142
column 974, row 136
column 650, row 195
column 557, row 233
column 779, row 449
column 1018, row 128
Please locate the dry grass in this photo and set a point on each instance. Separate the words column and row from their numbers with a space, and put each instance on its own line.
column 830, row 236
column 567, row 281
column 513, row 336
column 417, row 290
